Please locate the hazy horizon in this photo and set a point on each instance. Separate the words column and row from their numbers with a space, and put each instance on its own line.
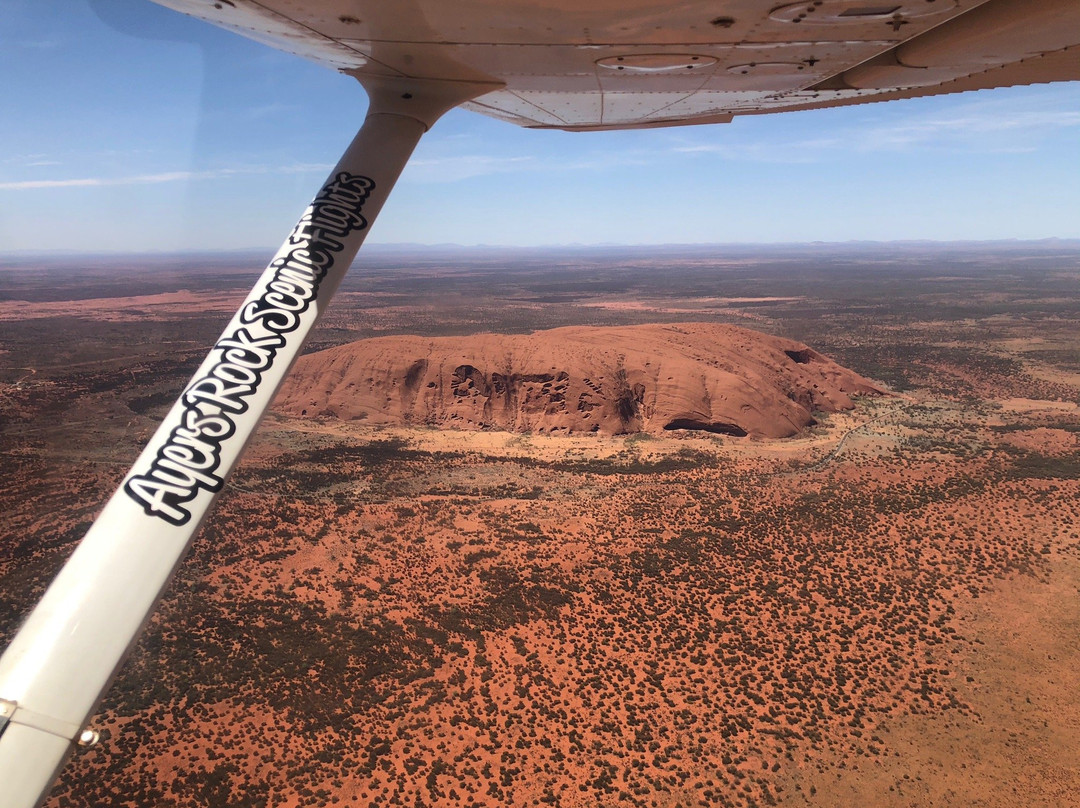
column 659, row 247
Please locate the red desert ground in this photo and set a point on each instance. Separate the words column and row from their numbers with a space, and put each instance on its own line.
column 504, row 542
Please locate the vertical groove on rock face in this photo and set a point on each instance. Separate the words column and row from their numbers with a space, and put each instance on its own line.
column 410, row 390
column 700, row 376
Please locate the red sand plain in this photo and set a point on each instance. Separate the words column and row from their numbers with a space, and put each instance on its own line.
column 880, row 616
column 880, row 610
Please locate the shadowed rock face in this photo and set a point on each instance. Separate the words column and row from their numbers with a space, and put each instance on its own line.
column 697, row 376
column 715, row 427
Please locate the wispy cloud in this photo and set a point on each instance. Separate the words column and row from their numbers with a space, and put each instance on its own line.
column 32, row 159
column 167, row 176
column 994, row 125
column 787, row 152
column 603, row 161
column 988, row 129
column 262, row 111
column 452, row 168
column 465, row 166
column 49, row 43
column 89, row 182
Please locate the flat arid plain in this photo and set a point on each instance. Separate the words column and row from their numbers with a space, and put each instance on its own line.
column 880, row 609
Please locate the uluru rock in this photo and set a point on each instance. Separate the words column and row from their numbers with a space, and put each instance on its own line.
column 615, row 380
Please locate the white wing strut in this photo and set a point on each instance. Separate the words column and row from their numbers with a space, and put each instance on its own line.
column 59, row 665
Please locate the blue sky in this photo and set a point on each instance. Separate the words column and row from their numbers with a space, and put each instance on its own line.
column 127, row 127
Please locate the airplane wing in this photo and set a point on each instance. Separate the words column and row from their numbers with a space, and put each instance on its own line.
column 617, row 64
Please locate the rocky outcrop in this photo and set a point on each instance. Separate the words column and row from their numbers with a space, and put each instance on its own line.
column 653, row 378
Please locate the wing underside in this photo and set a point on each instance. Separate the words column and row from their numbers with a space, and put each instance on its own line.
column 611, row 64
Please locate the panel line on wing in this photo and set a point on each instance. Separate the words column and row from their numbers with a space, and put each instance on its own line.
column 707, row 75
column 318, row 34
column 533, row 104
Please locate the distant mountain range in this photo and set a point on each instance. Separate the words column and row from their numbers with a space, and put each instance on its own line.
column 412, row 248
